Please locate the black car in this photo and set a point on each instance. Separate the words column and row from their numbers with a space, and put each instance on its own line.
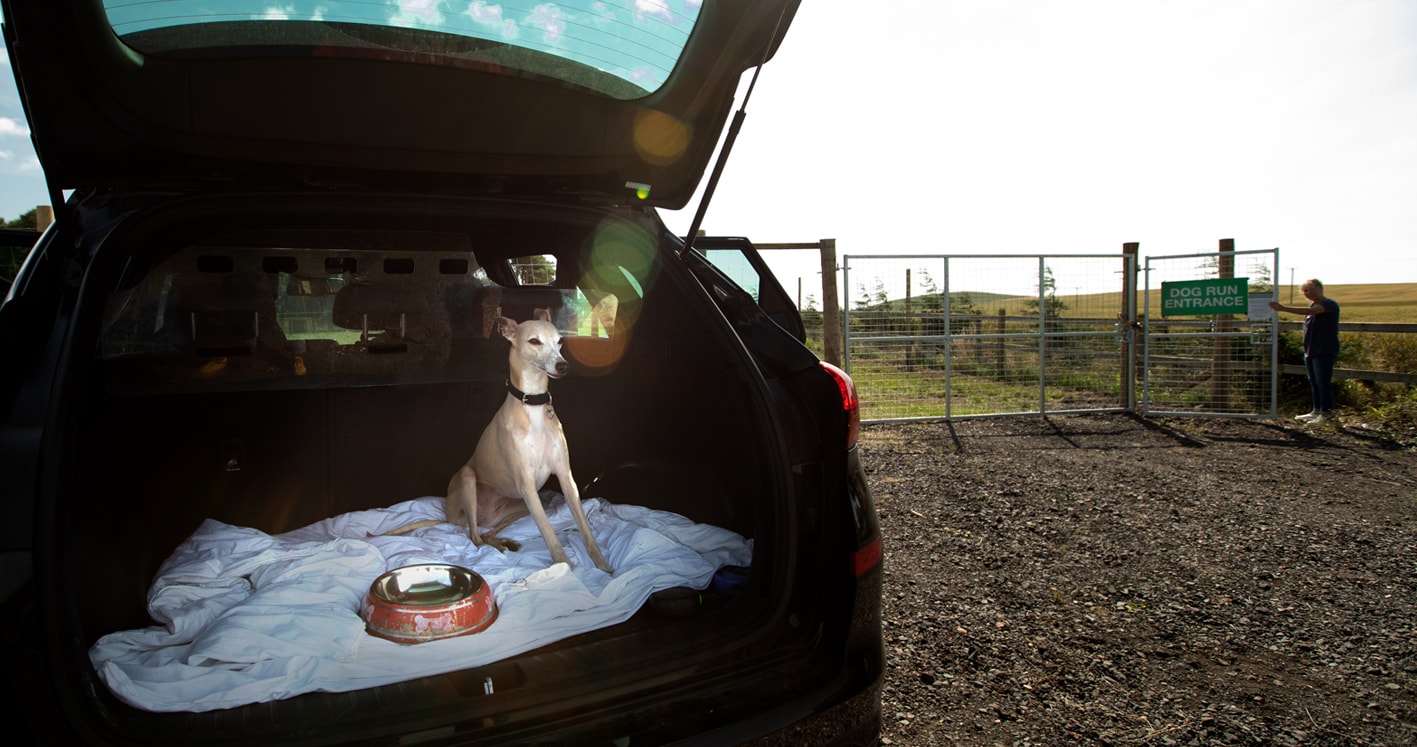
column 264, row 315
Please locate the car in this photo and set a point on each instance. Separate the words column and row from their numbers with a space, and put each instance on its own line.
column 264, row 318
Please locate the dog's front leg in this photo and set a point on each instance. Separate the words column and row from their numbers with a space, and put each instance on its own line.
column 532, row 498
column 573, row 501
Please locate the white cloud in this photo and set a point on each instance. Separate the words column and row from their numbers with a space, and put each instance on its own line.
column 417, row 13
column 13, row 166
column 10, row 127
column 481, row 12
column 654, row 8
column 489, row 16
column 548, row 18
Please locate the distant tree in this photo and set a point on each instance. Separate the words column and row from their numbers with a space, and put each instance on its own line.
column 962, row 304
column 927, row 283
column 1261, row 280
column 1053, row 307
column 536, row 269
column 26, row 220
column 931, row 304
column 811, row 317
column 865, row 300
column 879, row 297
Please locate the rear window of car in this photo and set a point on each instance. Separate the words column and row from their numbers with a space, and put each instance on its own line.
column 622, row 48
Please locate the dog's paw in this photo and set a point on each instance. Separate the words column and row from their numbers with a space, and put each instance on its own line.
column 500, row 544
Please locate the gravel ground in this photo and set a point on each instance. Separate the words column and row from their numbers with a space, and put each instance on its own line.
column 1113, row 580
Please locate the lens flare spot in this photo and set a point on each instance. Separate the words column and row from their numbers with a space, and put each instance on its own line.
column 621, row 248
column 660, row 139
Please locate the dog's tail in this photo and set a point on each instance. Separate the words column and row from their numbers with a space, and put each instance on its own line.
column 406, row 528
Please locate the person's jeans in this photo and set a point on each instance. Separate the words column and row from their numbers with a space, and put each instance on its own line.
column 1320, row 369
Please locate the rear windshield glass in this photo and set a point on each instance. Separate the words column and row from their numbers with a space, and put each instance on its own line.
column 623, row 48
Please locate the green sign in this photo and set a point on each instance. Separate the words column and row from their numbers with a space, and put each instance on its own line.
column 1205, row 297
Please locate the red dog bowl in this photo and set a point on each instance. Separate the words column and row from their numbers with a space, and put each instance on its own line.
column 419, row 603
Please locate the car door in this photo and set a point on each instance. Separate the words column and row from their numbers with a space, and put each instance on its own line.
column 737, row 258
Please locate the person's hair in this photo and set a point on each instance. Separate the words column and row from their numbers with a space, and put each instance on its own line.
column 1316, row 283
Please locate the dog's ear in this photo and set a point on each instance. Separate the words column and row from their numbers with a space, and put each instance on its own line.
column 542, row 315
column 507, row 328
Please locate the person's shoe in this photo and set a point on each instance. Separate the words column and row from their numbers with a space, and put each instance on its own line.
column 1320, row 419
column 1306, row 417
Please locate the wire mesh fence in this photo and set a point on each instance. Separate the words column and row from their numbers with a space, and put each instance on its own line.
column 1211, row 364
column 954, row 336
column 932, row 337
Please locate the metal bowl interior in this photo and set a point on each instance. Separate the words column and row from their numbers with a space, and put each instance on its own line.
column 426, row 585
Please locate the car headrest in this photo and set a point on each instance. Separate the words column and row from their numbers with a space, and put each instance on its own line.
column 222, row 311
column 412, row 310
column 520, row 304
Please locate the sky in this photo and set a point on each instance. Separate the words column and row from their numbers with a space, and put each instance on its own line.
column 1031, row 126
column 1048, row 127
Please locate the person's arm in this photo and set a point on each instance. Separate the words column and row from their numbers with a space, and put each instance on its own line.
column 1316, row 308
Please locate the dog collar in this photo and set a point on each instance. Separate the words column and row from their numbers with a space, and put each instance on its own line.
column 528, row 399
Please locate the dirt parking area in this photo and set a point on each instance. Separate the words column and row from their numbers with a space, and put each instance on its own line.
column 1113, row 580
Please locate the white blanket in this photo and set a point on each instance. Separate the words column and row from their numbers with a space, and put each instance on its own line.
column 247, row 617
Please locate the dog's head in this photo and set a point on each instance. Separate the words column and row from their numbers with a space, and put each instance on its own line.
column 536, row 343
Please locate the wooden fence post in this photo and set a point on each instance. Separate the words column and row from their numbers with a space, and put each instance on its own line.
column 1129, row 318
column 831, row 307
column 1220, row 383
column 999, row 348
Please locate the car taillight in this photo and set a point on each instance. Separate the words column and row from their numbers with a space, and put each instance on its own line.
column 849, row 402
column 866, row 558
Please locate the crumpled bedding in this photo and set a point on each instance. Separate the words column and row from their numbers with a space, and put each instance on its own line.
column 246, row 617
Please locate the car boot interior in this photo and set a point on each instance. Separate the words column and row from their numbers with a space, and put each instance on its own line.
column 271, row 379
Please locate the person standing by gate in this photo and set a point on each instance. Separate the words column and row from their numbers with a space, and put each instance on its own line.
column 1320, row 347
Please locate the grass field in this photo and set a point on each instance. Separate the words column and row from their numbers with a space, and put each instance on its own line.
column 1387, row 303
column 1390, row 303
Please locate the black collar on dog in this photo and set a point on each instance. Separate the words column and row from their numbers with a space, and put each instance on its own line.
column 529, row 399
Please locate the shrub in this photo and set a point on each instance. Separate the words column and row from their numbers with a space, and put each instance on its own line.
column 1398, row 413
column 1392, row 352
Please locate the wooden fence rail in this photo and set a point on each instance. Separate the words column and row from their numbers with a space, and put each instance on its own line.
column 1353, row 373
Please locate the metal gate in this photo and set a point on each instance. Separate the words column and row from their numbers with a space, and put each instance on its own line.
column 1196, row 361
column 931, row 337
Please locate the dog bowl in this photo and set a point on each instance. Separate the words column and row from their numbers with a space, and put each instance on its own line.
column 419, row 603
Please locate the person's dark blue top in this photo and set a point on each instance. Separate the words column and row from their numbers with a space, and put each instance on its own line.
column 1321, row 330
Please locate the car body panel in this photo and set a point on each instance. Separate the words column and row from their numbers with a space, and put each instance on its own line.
column 300, row 109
